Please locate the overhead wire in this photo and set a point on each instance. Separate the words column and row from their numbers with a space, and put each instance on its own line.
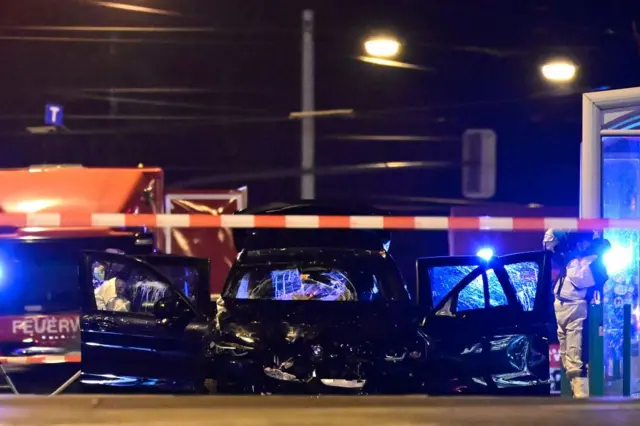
column 199, row 120
column 318, row 171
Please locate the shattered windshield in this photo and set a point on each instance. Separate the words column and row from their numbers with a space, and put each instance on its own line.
column 361, row 281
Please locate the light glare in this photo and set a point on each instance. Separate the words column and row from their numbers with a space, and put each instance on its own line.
column 485, row 253
column 382, row 47
column 618, row 258
column 561, row 71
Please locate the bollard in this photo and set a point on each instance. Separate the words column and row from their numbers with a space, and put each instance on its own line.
column 565, row 385
column 596, row 350
column 626, row 351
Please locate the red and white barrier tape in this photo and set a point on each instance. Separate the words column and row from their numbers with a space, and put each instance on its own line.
column 66, row 220
column 72, row 357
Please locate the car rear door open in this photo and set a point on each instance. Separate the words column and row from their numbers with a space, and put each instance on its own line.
column 489, row 320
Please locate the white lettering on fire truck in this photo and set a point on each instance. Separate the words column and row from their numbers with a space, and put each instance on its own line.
column 45, row 325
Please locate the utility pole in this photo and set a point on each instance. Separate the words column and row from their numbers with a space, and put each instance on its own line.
column 308, row 140
column 111, row 148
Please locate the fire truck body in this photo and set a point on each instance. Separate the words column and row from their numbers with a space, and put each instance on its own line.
column 38, row 266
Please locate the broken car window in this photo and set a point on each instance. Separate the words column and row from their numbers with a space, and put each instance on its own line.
column 126, row 287
column 524, row 277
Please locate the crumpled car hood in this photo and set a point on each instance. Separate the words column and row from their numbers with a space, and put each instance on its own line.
column 261, row 323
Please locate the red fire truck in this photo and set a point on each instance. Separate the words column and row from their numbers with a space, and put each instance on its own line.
column 39, row 304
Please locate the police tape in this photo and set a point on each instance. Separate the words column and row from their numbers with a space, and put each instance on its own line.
column 111, row 220
column 72, row 357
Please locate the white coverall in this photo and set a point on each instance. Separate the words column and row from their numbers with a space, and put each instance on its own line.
column 107, row 298
column 571, row 309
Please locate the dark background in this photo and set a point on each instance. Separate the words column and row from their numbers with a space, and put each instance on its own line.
column 215, row 101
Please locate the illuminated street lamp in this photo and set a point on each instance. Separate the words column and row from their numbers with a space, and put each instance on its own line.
column 382, row 47
column 561, row 71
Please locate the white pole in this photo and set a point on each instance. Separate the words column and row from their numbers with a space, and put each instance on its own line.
column 590, row 161
column 307, row 180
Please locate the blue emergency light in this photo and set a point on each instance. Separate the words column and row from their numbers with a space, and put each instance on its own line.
column 485, row 253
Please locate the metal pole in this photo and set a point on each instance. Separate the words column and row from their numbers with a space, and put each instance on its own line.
column 596, row 350
column 66, row 384
column 308, row 181
column 626, row 351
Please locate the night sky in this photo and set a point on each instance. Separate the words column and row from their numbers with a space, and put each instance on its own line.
column 211, row 97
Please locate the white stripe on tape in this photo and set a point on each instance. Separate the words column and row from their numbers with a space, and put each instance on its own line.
column 237, row 221
column 43, row 219
column 624, row 224
column 302, row 221
column 434, row 222
column 366, row 222
column 561, row 223
column 496, row 223
column 115, row 220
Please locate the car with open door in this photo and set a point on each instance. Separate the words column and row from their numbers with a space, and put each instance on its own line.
column 145, row 322
column 488, row 323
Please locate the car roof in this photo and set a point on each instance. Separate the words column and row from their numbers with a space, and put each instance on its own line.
column 364, row 239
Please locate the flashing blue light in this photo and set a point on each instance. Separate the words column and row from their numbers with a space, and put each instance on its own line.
column 618, row 259
column 485, row 253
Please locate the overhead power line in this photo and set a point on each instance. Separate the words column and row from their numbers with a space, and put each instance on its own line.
column 181, row 105
column 93, row 29
column 60, row 39
column 323, row 171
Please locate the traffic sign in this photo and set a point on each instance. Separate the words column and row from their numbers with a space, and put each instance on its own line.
column 53, row 115
column 479, row 159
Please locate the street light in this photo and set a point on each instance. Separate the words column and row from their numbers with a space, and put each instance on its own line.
column 560, row 71
column 382, row 47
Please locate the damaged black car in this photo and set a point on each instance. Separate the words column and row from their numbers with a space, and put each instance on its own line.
column 317, row 311
column 317, row 320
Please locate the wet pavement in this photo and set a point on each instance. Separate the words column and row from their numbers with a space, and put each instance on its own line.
column 299, row 411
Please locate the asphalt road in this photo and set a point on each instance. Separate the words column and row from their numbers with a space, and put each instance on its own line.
column 303, row 411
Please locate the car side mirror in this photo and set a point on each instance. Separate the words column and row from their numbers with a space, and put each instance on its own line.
column 166, row 309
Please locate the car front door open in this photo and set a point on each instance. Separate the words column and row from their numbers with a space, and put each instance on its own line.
column 139, row 331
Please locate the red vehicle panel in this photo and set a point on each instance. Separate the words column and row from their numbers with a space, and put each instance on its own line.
column 214, row 244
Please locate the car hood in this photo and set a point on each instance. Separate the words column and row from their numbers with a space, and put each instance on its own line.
column 262, row 323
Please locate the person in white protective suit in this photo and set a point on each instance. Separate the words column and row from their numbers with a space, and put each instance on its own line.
column 580, row 281
column 109, row 294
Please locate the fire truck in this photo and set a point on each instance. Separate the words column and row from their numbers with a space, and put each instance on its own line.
column 39, row 321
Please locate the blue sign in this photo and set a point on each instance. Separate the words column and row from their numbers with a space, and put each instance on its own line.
column 53, row 115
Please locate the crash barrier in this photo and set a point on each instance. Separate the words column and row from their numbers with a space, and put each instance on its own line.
column 73, row 357
column 57, row 220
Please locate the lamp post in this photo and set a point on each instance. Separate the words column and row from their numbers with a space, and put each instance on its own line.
column 308, row 139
